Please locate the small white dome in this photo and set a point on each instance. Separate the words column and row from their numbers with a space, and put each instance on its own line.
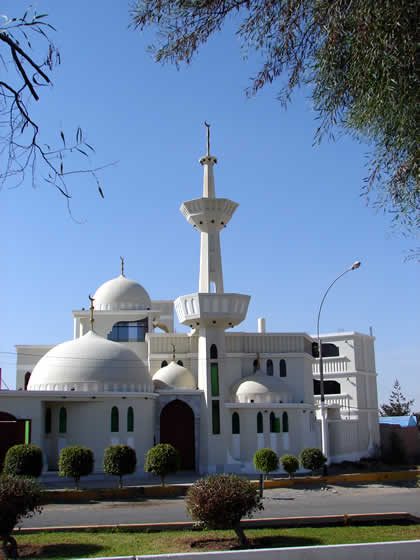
column 90, row 363
column 261, row 388
column 121, row 293
column 174, row 376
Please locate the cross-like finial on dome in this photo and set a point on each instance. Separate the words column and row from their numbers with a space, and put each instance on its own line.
column 208, row 137
column 92, row 320
column 173, row 352
column 122, row 266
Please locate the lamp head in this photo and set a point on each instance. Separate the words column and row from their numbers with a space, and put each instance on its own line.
column 355, row 265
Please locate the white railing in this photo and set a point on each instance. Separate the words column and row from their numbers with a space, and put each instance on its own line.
column 342, row 400
column 331, row 365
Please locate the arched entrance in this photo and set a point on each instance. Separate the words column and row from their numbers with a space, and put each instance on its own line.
column 177, row 428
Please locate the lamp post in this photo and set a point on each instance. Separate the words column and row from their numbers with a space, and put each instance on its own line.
column 324, row 434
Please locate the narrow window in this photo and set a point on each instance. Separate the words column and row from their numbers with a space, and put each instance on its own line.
column 236, row 426
column 214, row 370
column 274, row 424
column 255, row 365
column 114, row 419
column 48, row 420
column 285, row 422
column 180, row 362
column 130, row 419
column 62, row 421
column 269, row 367
column 213, row 352
column 283, row 368
column 164, row 363
column 215, row 417
column 27, row 378
column 260, row 423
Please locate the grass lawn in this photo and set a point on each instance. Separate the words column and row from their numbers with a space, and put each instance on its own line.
column 118, row 543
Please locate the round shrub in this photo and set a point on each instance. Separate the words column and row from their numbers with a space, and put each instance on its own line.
column 74, row 462
column 24, row 460
column 290, row 464
column 312, row 458
column 220, row 502
column 20, row 497
column 266, row 460
column 162, row 460
column 119, row 460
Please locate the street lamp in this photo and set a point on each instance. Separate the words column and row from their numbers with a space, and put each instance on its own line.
column 324, row 434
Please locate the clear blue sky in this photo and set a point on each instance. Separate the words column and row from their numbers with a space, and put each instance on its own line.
column 301, row 220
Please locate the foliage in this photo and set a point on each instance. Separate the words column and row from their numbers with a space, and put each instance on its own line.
column 266, row 460
column 20, row 497
column 358, row 57
column 162, row 460
column 119, row 460
column 75, row 461
column 220, row 502
column 398, row 404
column 312, row 458
column 23, row 460
column 29, row 56
column 290, row 464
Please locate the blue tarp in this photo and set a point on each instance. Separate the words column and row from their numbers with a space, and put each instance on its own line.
column 403, row 421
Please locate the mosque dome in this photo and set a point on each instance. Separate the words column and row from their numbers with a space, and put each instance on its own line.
column 121, row 293
column 261, row 388
column 174, row 376
column 90, row 363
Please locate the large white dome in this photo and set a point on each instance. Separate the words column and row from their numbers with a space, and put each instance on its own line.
column 90, row 363
column 174, row 376
column 120, row 294
column 261, row 388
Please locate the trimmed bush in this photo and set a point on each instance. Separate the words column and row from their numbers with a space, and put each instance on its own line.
column 75, row 462
column 20, row 497
column 220, row 502
column 23, row 460
column 162, row 460
column 290, row 464
column 312, row 458
column 266, row 460
column 119, row 460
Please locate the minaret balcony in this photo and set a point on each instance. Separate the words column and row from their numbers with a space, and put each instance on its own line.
column 208, row 214
column 212, row 310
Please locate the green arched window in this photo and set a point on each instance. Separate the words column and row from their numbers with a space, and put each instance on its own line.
column 62, row 421
column 285, row 422
column 214, row 371
column 274, row 424
column 114, row 419
column 236, row 426
column 48, row 420
column 260, row 423
column 130, row 419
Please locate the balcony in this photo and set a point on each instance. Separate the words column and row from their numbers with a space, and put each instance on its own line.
column 332, row 365
column 212, row 310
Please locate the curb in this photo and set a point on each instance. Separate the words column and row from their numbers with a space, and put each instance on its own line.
column 313, row 521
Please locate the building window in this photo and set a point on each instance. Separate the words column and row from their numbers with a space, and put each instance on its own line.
column 255, row 365
column 213, row 352
column 48, row 420
column 214, row 371
column 215, row 417
column 269, row 367
column 283, row 368
column 236, row 425
column 180, row 362
column 274, row 424
column 62, row 421
column 130, row 419
column 260, row 423
column 129, row 331
column 27, row 378
column 164, row 364
column 114, row 419
column 330, row 387
column 285, row 419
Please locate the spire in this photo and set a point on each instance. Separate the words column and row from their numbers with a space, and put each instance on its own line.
column 92, row 320
column 122, row 266
column 208, row 161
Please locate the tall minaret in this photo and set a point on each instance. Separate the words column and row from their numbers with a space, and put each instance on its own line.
column 209, row 312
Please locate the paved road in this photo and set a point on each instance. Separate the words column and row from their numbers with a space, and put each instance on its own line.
column 284, row 502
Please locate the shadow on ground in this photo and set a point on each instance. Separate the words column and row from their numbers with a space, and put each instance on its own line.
column 69, row 550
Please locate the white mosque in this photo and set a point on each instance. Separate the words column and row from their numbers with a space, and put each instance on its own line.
column 215, row 393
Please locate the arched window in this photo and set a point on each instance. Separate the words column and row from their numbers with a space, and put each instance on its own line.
column 269, row 367
column 62, row 421
column 285, row 419
column 27, row 378
column 114, row 419
column 180, row 362
column 255, row 365
column 214, row 371
column 274, row 424
column 213, row 352
column 130, row 419
column 260, row 423
column 236, row 426
column 48, row 420
column 164, row 363
column 283, row 368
